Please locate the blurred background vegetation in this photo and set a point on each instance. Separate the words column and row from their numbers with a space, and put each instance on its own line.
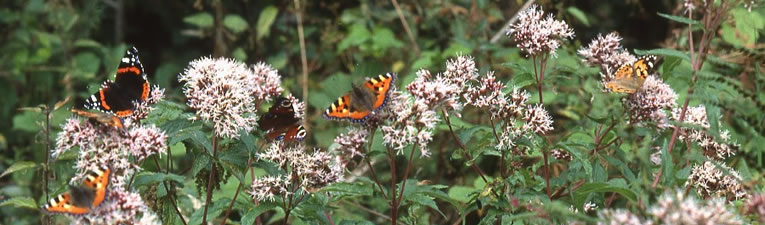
column 51, row 50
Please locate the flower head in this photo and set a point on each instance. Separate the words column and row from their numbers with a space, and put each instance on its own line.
column 310, row 171
column 650, row 102
column 756, row 206
column 712, row 148
column 224, row 92
column 536, row 34
column 676, row 208
column 711, row 180
column 537, row 120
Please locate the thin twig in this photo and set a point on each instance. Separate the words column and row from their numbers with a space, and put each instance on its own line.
column 406, row 173
column 303, row 57
column 462, row 146
column 212, row 174
column 394, row 206
column 512, row 20
column 46, row 217
column 230, row 206
column 169, row 193
column 406, row 27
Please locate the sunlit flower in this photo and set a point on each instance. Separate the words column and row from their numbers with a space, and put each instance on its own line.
column 412, row 121
column 436, row 92
column 224, row 92
column 717, row 181
column 352, row 142
column 650, row 102
column 537, row 120
column 676, row 208
column 537, row 35
column 711, row 147
column 589, row 207
column 561, row 154
column 310, row 171
column 620, row 217
column 461, row 70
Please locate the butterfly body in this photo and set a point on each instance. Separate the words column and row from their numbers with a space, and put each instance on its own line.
column 129, row 85
column 281, row 124
column 362, row 101
column 100, row 117
column 630, row 77
column 82, row 199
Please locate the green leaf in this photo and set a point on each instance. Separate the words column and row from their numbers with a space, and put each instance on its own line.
column 252, row 213
column 424, row 200
column 27, row 121
column 203, row 20
column 19, row 166
column 461, row 193
column 20, row 202
column 579, row 15
column 235, row 23
column 265, row 20
column 678, row 19
column 147, row 177
column 86, row 65
column 239, row 54
column 357, row 34
column 355, row 189
column 581, row 194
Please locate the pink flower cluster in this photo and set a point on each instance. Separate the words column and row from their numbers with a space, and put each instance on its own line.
column 536, row 34
column 650, row 102
column 307, row 172
column 225, row 92
column 711, row 147
column 717, row 181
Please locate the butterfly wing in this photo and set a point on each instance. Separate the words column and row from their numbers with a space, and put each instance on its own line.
column 630, row 77
column 79, row 200
column 129, row 85
column 103, row 118
column 64, row 203
column 99, row 181
column 279, row 115
column 296, row 132
column 345, row 108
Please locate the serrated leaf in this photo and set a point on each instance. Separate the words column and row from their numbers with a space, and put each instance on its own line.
column 27, row 121
column 424, row 200
column 147, row 177
column 20, row 202
column 265, row 20
column 461, row 193
column 253, row 213
column 203, row 20
column 678, row 19
column 581, row 194
column 19, row 166
column 665, row 52
column 356, row 189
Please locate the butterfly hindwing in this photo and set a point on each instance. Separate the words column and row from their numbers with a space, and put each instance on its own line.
column 280, row 123
column 100, row 117
column 80, row 200
column 129, row 85
column 362, row 101
column 630, row 77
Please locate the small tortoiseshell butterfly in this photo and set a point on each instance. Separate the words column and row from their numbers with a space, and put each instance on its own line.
column 129, row 85
column 362, row 101
column 100, row 117
column 630, row 77
column 81, row 199
column 280, row 122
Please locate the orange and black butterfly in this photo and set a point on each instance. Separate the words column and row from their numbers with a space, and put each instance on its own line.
column 362, row 101
column 81, row 199
column 101, row 117
column 630, row 77
column 280, row 123
column 129, row 85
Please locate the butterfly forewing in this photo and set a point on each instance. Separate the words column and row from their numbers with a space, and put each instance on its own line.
column 129, row 85
column 361, row 102
column 630, row 77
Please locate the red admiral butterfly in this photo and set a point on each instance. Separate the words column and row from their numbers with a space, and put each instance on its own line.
column 362, row 101
column 130, row 85
column 280, row 122
column 81, row 199
column 103, row 118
